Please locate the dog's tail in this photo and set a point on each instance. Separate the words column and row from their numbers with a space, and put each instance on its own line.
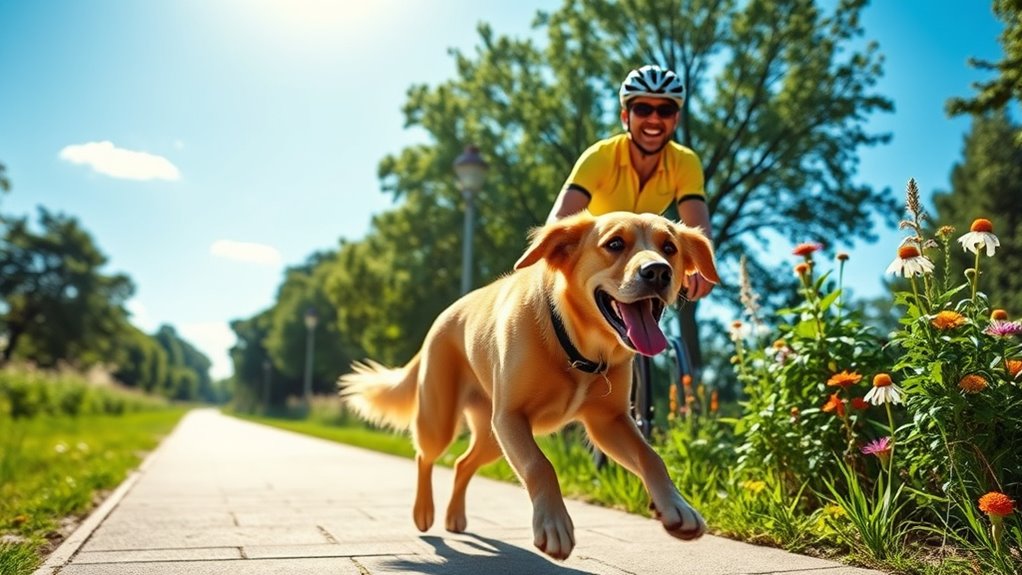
column 382, row 395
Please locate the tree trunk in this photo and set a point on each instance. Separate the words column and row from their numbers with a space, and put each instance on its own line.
column 12, row 342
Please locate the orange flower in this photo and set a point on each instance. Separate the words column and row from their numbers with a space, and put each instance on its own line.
column 673, row 400
column 859, row 403
column 972, row 383
column 806, row 249
column 999, row 315
column 882, row 380
column 1014, row 366
column 842, row 256
column 996, row 503
column 981, row 225
column 948, row 320
column 714, row 402
column 844, row 380
column 908, row 251
column 835, row 404
column 801, row 269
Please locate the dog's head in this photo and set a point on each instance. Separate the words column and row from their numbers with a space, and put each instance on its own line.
column 620, row 270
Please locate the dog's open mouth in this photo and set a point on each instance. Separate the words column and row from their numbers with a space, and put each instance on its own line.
column 637, row 323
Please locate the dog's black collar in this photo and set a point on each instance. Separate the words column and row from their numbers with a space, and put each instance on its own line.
column 578, row 361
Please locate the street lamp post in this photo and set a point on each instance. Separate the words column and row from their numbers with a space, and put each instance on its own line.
column 311, row 319
column 471, row 171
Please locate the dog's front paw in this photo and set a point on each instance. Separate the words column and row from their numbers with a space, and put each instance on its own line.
column 456, row 521
column 679, row 518
column 553, row 530
column 422, row 513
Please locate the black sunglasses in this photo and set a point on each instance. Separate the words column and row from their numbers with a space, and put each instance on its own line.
column 644, row 110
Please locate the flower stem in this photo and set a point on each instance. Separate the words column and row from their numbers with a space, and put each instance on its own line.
column 840, row 288
column 890, row 463
column 915, row 292
column 975, row 276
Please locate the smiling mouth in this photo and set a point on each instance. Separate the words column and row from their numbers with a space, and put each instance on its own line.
column 636, row 323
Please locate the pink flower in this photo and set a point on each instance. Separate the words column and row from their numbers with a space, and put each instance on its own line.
column 881, row 448
column 877, row 446
column 1001, row 328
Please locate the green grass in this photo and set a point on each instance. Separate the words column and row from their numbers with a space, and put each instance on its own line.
column 52, row 468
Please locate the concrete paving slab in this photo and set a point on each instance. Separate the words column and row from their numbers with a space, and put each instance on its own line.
column 152, row 555
column 327, row 566
column 225, row 496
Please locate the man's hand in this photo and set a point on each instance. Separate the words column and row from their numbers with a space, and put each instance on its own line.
column 698, row 287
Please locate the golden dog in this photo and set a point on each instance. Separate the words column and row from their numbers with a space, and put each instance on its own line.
column 550, row 343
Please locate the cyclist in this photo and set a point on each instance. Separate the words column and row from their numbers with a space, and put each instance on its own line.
column 643, row 169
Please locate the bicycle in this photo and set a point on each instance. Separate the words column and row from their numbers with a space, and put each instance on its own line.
column 642, row 388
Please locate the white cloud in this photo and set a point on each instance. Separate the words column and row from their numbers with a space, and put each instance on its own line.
column 246, row 252
column 214, row 339
column 107, row 159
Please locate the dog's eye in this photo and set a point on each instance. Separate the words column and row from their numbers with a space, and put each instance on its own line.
column 669, row 248
column 615, row 244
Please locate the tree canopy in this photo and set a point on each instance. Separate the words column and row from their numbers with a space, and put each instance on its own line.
column 59, row 304
column 59, row 307
column 778, row 95
column 1006, row 85
column 987, row 183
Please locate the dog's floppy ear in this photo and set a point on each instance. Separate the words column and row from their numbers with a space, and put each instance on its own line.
column 697, row 253
column 556, row 241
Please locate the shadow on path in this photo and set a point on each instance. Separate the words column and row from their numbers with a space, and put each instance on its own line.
column 489, row 556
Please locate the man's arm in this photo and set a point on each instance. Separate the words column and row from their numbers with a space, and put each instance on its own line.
column 571, row 200
column 693, row 212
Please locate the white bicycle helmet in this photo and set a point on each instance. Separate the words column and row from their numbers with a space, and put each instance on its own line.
column 654, row 82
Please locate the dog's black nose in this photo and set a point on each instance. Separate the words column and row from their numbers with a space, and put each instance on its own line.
column 656, row 274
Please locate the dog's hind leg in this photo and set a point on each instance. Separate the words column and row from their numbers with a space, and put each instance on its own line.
column 482, row 450
column 435, row 425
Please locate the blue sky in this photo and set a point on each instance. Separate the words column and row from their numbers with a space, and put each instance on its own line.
column 208, row 144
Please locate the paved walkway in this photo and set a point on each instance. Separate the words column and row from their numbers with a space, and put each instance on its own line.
column 225, row 496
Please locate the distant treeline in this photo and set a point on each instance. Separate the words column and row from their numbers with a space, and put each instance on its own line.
column 59, row 308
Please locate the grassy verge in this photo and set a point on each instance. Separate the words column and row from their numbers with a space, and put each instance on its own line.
column 54, row 469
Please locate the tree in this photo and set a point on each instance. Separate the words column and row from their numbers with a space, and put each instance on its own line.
column 141, row 361
column 287, row 337
column 5, row 183
column 997, row 93
column 187, row 368
column 256, row 381
column 987, row 183
column 778, row 95
column 59, row 306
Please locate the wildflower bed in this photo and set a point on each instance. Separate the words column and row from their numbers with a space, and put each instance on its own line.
column 903, row 450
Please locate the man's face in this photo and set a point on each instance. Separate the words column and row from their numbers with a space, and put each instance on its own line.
column 651, row 122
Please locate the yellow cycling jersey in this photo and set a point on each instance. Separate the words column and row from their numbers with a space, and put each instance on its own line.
column 604, row 172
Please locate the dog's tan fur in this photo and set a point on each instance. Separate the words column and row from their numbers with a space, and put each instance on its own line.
column 493, row 356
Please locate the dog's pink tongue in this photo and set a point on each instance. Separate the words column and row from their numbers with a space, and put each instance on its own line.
column 642, row 327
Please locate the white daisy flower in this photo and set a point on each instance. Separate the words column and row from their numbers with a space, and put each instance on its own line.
column 981, row 233
column 910, row 263
column 884, row 391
